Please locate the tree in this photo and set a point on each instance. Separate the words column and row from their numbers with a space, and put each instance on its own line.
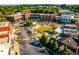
column 55, row 44
column 44, row 40
column 53, row 28
column 29, row 31
column 67, row 51
column 29, row 23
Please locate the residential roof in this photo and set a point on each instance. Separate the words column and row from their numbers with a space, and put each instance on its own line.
column 69, row 41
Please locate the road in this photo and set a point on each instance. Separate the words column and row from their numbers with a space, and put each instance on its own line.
column 24, row 33
column 26, row 48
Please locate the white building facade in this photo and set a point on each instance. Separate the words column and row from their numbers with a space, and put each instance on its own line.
column 70, row 29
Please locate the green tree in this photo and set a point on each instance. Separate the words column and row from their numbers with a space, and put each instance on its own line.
column 67, row 51
column 29, row 23
column 29, row 31
column 54, row 26
column 44, row 40
column 55, row 44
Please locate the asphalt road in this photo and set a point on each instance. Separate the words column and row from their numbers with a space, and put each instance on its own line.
column 24, row 33
column 26, row 48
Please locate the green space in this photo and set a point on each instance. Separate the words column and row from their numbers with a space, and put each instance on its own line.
column 29, row 23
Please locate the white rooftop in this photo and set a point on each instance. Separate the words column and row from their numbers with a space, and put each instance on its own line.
column 14, row 14
column 4, row 24
column 67, row 16
column 4, row 49
column 65, row 11
column 70, row 25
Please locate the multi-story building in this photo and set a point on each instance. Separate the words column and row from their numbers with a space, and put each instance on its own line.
column 35, row 16
column 16, row 17
column 39, row 16
column 47, row 17
column 66, row 16
column 28, row 16
column 6, row 37
column 66, row 12
column 69, row 29
column 66, row 19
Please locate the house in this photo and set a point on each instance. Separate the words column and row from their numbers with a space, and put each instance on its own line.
column 71, row 44
column 69, row 41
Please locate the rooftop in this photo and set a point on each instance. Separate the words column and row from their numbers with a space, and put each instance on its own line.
column 4, row 24
column 70, row 25
column 65, row 11
column 15, row 14
column 69, row 41
column 4, row 49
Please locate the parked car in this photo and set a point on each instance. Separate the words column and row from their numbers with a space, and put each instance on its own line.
column 21, row 23
column 36, row 42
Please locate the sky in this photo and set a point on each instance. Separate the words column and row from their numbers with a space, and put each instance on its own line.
column 4, row 2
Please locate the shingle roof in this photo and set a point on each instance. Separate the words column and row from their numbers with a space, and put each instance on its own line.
column 71, row 42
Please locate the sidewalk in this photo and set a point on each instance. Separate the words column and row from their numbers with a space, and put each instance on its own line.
column 15, row 50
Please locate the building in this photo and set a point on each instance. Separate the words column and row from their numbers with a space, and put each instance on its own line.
column 35, row 16
column 69, row 41
column 66, row 16
column 47, row 17
column 27, row 16
column 15, row 18
column 69, row 29
column 66, row 19
column 6, row 37
column 39, row 16
column 76, row 15
column 66, row 12
column 57, row 18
